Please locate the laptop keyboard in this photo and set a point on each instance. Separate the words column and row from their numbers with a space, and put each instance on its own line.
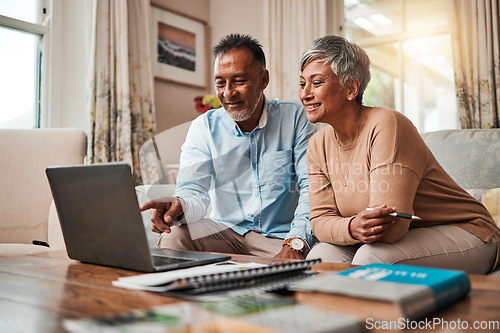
column 163, row 261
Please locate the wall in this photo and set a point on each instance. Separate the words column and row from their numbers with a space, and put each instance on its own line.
column 235, row 16
column 174, row 102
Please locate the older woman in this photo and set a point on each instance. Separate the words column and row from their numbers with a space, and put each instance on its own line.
column 370, row 164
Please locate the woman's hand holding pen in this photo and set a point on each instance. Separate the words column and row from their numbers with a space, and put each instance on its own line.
column 371, row 224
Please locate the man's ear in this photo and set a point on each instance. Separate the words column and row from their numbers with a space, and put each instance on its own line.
column 352, row 89
column 265, row 79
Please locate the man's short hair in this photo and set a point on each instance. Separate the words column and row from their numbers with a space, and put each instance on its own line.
column 237, row 41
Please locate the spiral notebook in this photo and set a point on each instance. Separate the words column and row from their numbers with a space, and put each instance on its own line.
column 223, row 277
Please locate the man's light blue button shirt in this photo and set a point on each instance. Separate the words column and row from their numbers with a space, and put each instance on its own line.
column 254, row 181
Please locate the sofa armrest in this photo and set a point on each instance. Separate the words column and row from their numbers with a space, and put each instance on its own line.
column 26, row 153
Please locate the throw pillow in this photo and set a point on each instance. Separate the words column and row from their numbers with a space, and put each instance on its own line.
column 491, row 200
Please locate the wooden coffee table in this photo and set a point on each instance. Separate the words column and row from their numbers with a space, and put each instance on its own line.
column 39, row 291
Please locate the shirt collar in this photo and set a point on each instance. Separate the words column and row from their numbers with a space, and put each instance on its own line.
column 263, row 116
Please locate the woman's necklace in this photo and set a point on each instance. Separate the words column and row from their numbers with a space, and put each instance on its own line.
column 352, row 155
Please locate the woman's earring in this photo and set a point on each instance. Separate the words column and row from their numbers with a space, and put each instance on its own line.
column 349, row 98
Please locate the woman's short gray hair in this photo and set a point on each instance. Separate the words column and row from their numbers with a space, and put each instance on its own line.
column 347, row 60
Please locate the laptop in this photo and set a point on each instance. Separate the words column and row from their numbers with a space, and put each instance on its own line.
column 102, row 224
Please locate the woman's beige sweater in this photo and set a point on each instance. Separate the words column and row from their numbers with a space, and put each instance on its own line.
column 389, row 164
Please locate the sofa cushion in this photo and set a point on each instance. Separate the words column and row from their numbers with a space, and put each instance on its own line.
column 470, row 156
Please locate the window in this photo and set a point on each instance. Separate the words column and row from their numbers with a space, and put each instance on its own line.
column 22, row 37
column 409, row 45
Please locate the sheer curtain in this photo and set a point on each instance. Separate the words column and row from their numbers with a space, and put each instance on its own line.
column 121, row 91
column 476, row 51
column 290, row 28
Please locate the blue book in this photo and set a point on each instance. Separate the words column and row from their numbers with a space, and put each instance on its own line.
column 417, row 290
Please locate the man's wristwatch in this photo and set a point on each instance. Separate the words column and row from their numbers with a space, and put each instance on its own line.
column 296, row 244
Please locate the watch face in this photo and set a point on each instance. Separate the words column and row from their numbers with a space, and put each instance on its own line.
column 297, row 243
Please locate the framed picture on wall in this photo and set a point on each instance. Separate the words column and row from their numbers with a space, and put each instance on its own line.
column 178, row 48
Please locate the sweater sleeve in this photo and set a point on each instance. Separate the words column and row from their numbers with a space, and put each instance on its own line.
column 397, row 160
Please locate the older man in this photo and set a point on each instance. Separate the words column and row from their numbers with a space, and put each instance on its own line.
column 248, row 160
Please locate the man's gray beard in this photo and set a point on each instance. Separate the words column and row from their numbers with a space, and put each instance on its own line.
column 247, row 113
column 242, row 115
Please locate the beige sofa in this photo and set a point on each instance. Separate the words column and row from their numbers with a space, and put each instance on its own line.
column 25, row 197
